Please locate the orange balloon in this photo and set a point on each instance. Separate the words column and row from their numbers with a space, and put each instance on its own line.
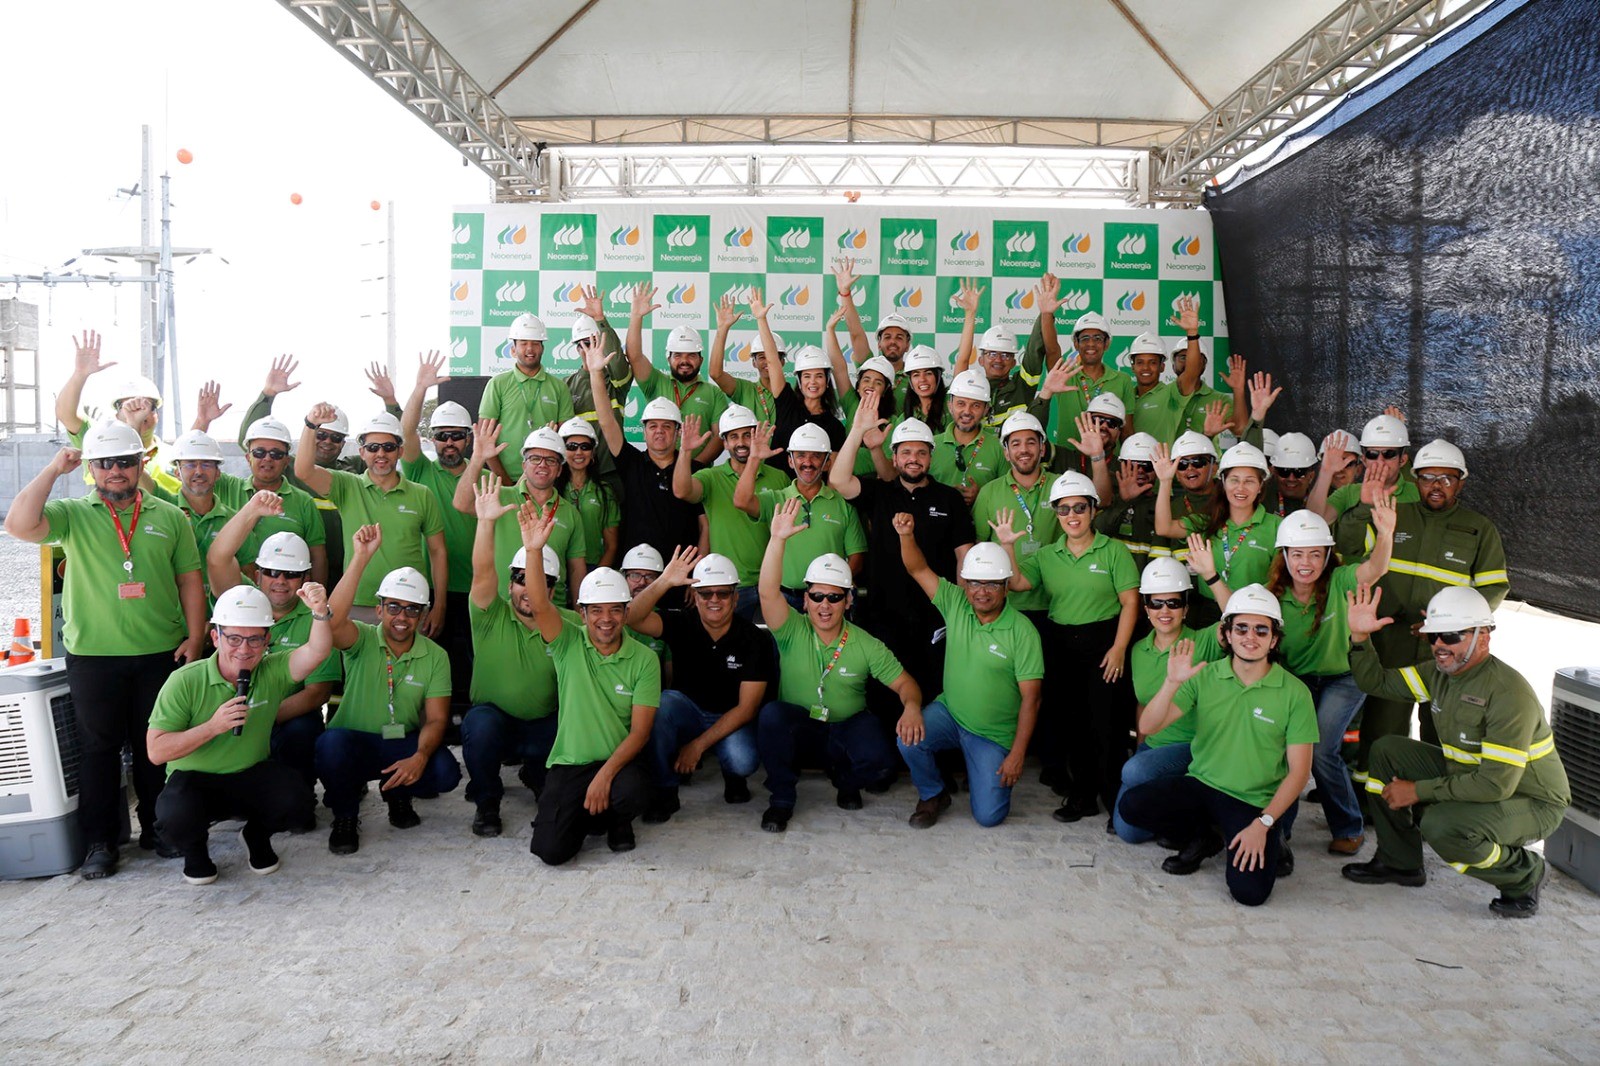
column 294, row 198
column 185, row 156
column 376, row 206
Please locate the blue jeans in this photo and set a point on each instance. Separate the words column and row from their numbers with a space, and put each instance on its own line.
column 680, row 720
column 347, row 758
column 1147, row 764
column 854, row 751
column 991, row 801
column 748, row 603
column 489, row 735
column 1338, row 699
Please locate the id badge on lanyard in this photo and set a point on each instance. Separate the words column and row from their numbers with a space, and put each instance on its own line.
column 128, row 588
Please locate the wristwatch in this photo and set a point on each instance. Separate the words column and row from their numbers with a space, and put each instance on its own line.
column 1266, row 819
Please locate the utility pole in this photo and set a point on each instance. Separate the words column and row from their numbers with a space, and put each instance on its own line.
column 391, row 283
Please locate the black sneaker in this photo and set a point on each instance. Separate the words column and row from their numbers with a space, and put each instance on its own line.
column 735, row 789
column 849, row 799
column 1285, row 861
column 776, row 819
column 401, row 814
column 1074, row 811
column 345, row 839
column 150, row 840
column 663, row 805
column 1193, row 854
column 199, row 870
column 101, row 861
column 263, row 860
column 486, row 822
column 1521, row 906
column 1374, row 872
column 619, row 836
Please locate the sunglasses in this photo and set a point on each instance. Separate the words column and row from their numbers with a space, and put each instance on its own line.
column 451, row 436
column 386, row 448
column 1194, row 462
column 1165, row 603
column 1380, row 453
column 1106, row 420
column 269, row 453
column 235, row 640
column 1293, row 471
column 1438, row 479
column 324, row 436
column 830, row 597
column 1446, row 638
column 116, row 462
column 723, row 594
column 1073, row 508
column 1244, row 629
column 580, row 445
column 267, row 571
column 410, row 610
column 1143, row 468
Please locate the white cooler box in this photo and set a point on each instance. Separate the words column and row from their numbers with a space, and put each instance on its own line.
column 39, row 834
column 1574, row 847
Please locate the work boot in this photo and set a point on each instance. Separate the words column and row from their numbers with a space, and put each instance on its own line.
column 486, row 822
column 1193, row 854
column 263, row 860
column 927, row 813
column 401, row 814
column 776, row 819
column 101, row 861
column 1521, row 906
column 849, row 799
column 663, row 805
column 619, row 836
column 199, row 869
column 1075, row 810
column 1285, row 861
column 150, row 840
column 1374, row 872
column 345, row 839
column 1347, row 845
column 735, row 789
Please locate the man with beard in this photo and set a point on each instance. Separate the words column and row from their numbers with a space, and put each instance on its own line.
column 133, row 607
column 282, row 568
column 689, row 393
column 525, row 397
column 1385, row 459
column 1493, row 787
column 1074, row 382
column 514, row 697
column 1025, row 490
column 734, row 534
column 135, row 402
column 967, row 454
column 199, row 462
column 1294, row 464
column 1158, row 406
column 409, row 514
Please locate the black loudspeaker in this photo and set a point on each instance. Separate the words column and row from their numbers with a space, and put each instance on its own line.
column 468, row 392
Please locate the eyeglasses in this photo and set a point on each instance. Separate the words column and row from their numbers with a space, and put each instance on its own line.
column 1438, row 479
column 454, row 436
column 719, row 594
column 1380, row 453
column 116, row 462
column 1244, row 629
column 1293, row 471
column 198, row 464
column 830, row 597
column 1445, row 638
column 1169, row 603
column 324, row 436
column 395, row 607
column 542, row 460
column 998, row 356
column 268, row 453
column 580, row 445
column 994, row 585
column 236, row 640
column 386, row 447
column 267, row 571
column 1091, row 338
column 1194, row 462
column 1073, row 508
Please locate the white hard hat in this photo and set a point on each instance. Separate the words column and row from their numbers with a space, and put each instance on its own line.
column 339, row 425
column 973, row 385
column 1147, row 344
column 1192, row 443
column 527, row 327
column 1243, row 454
column 1385, row 431
column 684, row 339
column 197, row 446
column 109, row 439
column 243, row 605
column 136, row 387
column 758, row 346
column 998, row 339
column 1110, row 405
column 545, row 439
column 1295, row 452
column 879, row 365
column 603, row 585
column 909, row 431
column 1304, row 529
column 270, row 428
column 1181, row 346
column 450, row 415
column 384, row 423
column 1254, row 599
column 829, row 569
column 893, row 321
column 552, row 561
column 809, row 437
column 1072, row 484
column 811, row 357
column 577, row 427
column 284, row 551
column 923, row 357
column 1440, row 453
column 1457, row 608
column 986, row 561
column 1090, row 321
column 584, row 328
column 1164, row 574
column 1018, row 421
column 643, row 557
column 663, row 409
column 406, row 583
column 715, row 569
column 1138, row 448
column 1269, row 444
column 735, row 416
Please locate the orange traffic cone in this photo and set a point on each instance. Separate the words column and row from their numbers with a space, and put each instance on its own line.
column 21, row 644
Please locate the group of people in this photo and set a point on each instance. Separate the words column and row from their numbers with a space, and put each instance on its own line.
column 859, row 562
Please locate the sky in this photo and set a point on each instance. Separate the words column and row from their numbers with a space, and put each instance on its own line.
column 267, row 110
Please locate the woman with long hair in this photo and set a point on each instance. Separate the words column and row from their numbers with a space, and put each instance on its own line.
column 596, row 503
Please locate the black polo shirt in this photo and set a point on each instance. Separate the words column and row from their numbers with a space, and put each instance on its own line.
column 710, row 672
column 651, row 514
column 943, row 523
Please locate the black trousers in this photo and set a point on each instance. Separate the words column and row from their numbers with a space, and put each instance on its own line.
column 1087, row 725
column 269, row 796
column 561, row 824
column 1183, row 807
column 112, row 696
column 457, row 643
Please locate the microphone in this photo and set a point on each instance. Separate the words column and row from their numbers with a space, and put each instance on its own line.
column 241, row 687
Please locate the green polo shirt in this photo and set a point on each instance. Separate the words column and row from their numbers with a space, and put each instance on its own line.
column 1313, row 647
column 1147, row 666
column 567, row 540
column 1345, row 497
column 300, row 515
column 832, row 525
column 293, row 630
column 759, row 398
column 984, row 663
column 206, row 527
column 599, row 693
column 983, row 458
column 1073, row 402
column 1158, row 412
column 459, row 528
column 1243, row 552
column 1242, row 733
column 598, row 511
column 734, row 533
column 96, row 619
column 523, row 403
column 698, row 397
column 802, row 658
column 408, row 514
column 1195, row 404
column 1083, row 588
column 419, row 675
column 512, row 666
column 1031, row 516
column 154, row 465
column 191, row 696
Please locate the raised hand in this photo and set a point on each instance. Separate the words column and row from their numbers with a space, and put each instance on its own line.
column 278, row 376
column 904, row 524
column 786, row 519
column 1216, row 417
column 381, row 386
column 594, row 356
column 1088, row 441
column 679, row 570
column 1180, row 663
column 364, row 542
column 1362, row 618
column 486, row 442
column 486, row 498
column 1003, row 527
column 1166, row 466
column 210, row 407
column 844, row 275
column 431, row 370
column 642, row 303
column 1060, row 376
column 832, row 325
column 761, row 448
column 591, row 304
column 1236, row 373
column 321, row 414
column 968, row 295
column 1383, row 514
column 693, row 438
column 313, row 596
column 728, row 312
column 1394, row 412
column 758, row 307
column 66, row 461
column 1262, row 396
column 86, row 360
column 536, row 524
column 265, row 503
column 1048, row 294
column 1128, row 485
column 1186, row 316
column 1337, row 441
column 1201, row 559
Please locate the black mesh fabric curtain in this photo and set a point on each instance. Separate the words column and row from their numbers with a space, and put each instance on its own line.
column 1440, row 250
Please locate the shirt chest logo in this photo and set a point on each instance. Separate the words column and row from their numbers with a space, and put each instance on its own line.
column 934, row 512
column 403, row 509
column 622, row 690
column 154, row 532
column 994, row 649
column 1261, row 716
column 734, row 663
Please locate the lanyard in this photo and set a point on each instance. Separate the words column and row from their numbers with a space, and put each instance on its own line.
column 125, row 536
column 766, row 402
column 388, row 663
column 1023, row 504
column 961, row 460
column 1228, row 553
column 844, row 635
column 679, row 400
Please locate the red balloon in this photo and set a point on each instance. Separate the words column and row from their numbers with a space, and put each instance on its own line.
column 376, row 206
column 185, row 156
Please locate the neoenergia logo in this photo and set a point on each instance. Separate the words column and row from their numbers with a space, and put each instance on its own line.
column 853, row 238
column 795, row 238
column 460, row 290
column 1076, row 244
column 1132, row 300
column 1020, row 243
column 908, row 240
column 1186, row 246
column 625, row 237
column 621, row 293
column 681, row 294
column 739, row 237
column 966, row 241
column 1132, row 244
column 567, row 236
column 512, row 235
column 795, row 296
column 1021, row 300
column 460, row 348
column 682, row 237
column 511, row 292
column 1192, row 296
column 1076, row 300
column 565, row 294
column 908, row 297
column 462, row 234
column 740, row 294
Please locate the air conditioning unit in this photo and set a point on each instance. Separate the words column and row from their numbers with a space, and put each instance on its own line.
column 39, row 834
column 1574, row 848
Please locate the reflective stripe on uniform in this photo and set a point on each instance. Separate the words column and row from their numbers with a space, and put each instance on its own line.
column 1375, row 786
column 1458, row 755
column 1432, row 573
column 1158, row 552
column 1494, row 857
column 1540, row 748
column 1415, row 684
column 1490, row 577
column 1501, row 753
